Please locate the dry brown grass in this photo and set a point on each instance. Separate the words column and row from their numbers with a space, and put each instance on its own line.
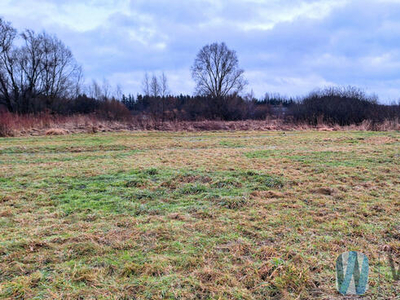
column 56, row 131
column 202, row 215
column 47, row 124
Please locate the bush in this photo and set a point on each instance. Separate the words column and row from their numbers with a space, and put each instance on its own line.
column 341, row 106
column 113, row 110
column 6, row 122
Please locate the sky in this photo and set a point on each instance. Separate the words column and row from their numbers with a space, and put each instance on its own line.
column 289, row 47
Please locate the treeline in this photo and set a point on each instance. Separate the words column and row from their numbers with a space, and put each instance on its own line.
column 341, row 106
column 38, row 74
column 197, row 108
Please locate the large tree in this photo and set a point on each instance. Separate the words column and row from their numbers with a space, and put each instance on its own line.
column 8, row 79
column 216, row 72
column 41, row 67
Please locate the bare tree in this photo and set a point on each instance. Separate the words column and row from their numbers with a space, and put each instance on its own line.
column 41, row 66
column 78, row 90
column 118, row 94
column 164, row 93
column 8, row 78
column 155, row 89
column 146, row 85
column 216, row 71
column 62, row 72
column 94, row 90
column 106, row 90
column 48, row 68
column 164, row 90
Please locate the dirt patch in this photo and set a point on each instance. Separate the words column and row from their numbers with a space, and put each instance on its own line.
column 324, row 191
column 56, row 131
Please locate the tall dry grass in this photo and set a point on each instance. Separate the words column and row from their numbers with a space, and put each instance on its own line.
column 19, row 125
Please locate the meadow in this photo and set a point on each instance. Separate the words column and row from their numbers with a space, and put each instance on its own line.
column 199, row 215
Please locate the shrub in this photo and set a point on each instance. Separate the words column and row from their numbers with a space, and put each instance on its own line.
column 113, row 110
column 341, row 106
column 6, row 122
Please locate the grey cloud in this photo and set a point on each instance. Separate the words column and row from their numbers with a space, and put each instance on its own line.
column 355, row 43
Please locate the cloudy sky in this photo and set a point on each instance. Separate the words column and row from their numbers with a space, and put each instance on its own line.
column 289, row 46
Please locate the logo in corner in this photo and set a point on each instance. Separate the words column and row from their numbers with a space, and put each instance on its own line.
column 352, row 270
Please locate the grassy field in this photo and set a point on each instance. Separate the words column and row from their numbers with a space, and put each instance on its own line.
column 224, row 215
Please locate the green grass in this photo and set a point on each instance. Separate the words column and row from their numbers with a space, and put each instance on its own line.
column 241, row 215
